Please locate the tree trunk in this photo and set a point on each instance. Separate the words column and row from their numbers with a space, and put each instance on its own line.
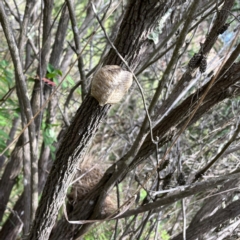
column 139, row 20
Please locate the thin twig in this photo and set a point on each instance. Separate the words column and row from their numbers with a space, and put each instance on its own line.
column 56, row 89
column 219, row 154
column 192, row 114
column 78, row 48
column 128, row 67
column 186, row 191
column 118, row 205
column 184, row 218
column 199, row 103
column 49, row 99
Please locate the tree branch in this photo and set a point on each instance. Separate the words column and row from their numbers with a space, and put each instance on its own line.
column 184, row 191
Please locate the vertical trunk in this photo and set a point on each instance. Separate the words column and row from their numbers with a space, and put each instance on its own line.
column 72, row 149
column 131, row 42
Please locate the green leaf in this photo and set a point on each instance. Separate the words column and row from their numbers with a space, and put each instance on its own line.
column 3, row 64
column 70, row 80
column 51, row 75
column 52, row 134
column 64, row 85
column 50, row 68
column 3, row 134
column 165, row 235
column 143, row 194
column 59, row 72
column 2, row 144
column 55, row 80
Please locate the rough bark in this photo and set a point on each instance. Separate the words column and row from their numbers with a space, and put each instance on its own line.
column 140, row 18
column 81, row 210
column 221, row 216
column 214, row 202
column 74, row 145
column 177, row 117
column 43, row 164
column 184, row 191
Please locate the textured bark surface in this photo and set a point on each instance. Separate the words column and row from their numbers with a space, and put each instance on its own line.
column 14, row 166
column 132, row 42
column 222, row 215
column 72, row 148
column 177, row 116
column 182, row 193
column 139, row 20
column 81, row 210
column 214, row 202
